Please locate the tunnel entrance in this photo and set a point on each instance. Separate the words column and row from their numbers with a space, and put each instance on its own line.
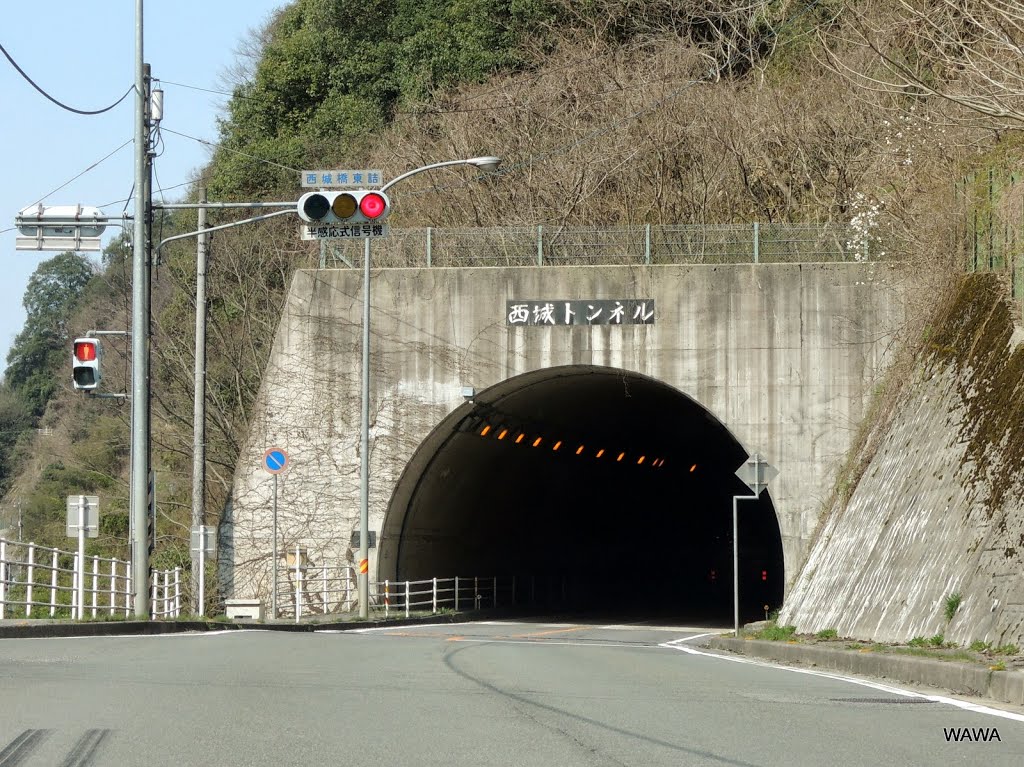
column 613, row 486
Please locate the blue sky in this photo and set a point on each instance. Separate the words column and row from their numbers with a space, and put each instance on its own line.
column 84, row 55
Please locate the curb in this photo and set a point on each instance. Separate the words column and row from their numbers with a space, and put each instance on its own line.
column 29, row 629
column 960, row 678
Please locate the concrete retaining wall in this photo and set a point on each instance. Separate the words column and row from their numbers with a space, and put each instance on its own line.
column 938, row 509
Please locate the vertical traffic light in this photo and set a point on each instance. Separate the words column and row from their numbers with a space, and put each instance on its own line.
column 85, row 364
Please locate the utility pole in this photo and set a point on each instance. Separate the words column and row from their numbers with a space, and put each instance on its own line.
column 199, row 410
column 140, row 338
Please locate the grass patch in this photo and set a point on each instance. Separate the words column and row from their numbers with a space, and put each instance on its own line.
column 925, row 652
column 951, row 605
column 827, row 634
column 978, row 646
column 918, row 642
column 936, row 641
column 1006, row 649
column 775, row 633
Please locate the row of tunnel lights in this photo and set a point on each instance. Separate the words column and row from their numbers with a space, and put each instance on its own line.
column 502, row 432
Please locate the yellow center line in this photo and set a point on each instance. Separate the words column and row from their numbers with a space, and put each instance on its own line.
column 547, row 633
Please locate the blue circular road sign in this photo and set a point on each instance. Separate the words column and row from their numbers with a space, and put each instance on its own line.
column 275, row 460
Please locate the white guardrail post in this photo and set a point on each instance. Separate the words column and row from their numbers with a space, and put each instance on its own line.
column 113, row 586
column 323, row 573
column 31, row 578
column 95, row 582
column 407, row 599
column 3, row 578
column 433, row 607
column 456, row 593
column 177, row 592
column 53, row 583
column 129, row 592
column 75, row 611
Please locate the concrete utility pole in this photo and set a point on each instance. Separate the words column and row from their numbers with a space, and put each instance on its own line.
column 140, row 339
column 199, row 410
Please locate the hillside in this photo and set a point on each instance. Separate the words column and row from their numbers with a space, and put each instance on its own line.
column 610, row 112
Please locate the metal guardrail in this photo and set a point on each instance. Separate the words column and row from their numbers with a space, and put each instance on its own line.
column 38, row 581
column 321, row 590
column 317, row 590
column 584, row 245
column 42, row 582
column 165, row 600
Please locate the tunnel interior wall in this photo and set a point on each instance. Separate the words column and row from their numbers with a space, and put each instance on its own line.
column 783, row 355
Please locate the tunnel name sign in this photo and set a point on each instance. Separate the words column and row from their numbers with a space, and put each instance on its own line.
column 625, row 311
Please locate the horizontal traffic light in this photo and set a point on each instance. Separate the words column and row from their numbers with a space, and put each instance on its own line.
column 359, row 206
column 85, row 364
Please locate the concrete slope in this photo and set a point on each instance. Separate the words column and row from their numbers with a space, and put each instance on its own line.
column 937, row 510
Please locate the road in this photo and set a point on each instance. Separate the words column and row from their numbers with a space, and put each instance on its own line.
column 480, row 694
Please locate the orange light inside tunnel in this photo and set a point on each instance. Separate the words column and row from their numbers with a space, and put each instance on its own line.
column 537, row 441
column 579, row 449
column 641, row 460
column 557, row 445
column 502, row 433
column 621, row 456
column 693, row 468
column 599, row 453
column 483, row 432
column 520, row 438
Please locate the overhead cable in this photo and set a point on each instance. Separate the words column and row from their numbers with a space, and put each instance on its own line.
column 61, row 104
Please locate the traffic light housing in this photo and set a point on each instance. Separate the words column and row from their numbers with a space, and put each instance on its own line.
column 357, row 206
column 85, row 364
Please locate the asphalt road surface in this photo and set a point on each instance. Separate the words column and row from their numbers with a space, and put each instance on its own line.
column 480, row 694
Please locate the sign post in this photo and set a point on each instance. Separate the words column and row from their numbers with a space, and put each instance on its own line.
column 204, row 543
column 274, row 461
column 756, row 473
column 82, row 519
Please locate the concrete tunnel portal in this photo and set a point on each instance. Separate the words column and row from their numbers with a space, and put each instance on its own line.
column 611, row 482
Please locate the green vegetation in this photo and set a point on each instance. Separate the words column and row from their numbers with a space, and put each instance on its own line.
column 918, row 642
column 978, row 646
column 827, row 634
column 951, row 605
column 775, row 633
column 1006, row 649
column 959, row 655
column 937, row 640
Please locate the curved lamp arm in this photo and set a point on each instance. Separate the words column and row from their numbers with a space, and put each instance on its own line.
column 486, row 164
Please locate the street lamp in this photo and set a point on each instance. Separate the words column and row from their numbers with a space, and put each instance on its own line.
column 487, row 164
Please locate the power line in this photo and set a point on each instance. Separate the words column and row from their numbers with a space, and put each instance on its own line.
column 107, row 157
column 215, row 145
column 61, row 104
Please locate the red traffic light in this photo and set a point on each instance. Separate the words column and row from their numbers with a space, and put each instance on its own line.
column 764, row 575
column 373, row 205
column 359, row 206
column 85, row 351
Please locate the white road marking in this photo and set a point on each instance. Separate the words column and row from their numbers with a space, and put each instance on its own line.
column 548, row 643
column 170, row 635
column 675, row 644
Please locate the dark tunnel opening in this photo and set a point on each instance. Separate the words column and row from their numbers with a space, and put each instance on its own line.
column 613, row 489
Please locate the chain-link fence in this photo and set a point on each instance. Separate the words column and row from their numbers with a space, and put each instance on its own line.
column 579, row 246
